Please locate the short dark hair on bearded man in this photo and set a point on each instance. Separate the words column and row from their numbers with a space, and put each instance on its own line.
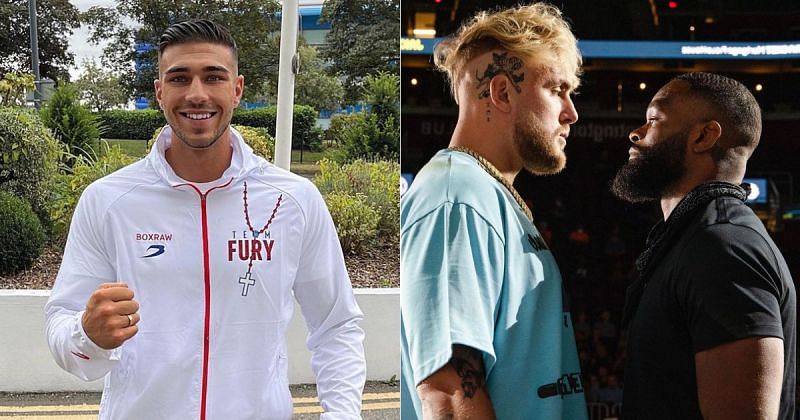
column 737, row 111
column 196, row 30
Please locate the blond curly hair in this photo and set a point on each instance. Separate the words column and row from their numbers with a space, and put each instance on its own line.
column 534, row 32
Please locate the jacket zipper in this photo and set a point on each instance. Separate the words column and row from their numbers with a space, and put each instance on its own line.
column 207, row 290
column 206, row 323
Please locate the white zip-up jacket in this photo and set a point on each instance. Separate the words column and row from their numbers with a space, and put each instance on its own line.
column 211, row 341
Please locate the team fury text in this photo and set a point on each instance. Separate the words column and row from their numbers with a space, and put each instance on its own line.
column 251, row 246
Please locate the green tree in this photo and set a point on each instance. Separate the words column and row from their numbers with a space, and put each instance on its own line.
column 73, row 124
column 21, row 234
column 29, row 158
column 100, row 89
column 251, row 22
column 13, row 87
column 364, row 39
column 376, row 132
column 56, row 20
column 382, row 93
column 313, row 86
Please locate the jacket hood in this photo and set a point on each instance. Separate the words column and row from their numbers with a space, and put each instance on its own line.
column 243, row 161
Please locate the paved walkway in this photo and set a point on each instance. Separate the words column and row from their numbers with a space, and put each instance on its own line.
column 381, row 401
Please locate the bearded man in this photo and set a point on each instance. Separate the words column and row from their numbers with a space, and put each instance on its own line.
column 484, row 331
column 712, row 319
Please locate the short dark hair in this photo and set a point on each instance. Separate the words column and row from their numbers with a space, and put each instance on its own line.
column 197, row 30
column 735, row 107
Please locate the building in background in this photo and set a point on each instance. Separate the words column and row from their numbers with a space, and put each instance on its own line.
column 631, row 48
column 310, row 28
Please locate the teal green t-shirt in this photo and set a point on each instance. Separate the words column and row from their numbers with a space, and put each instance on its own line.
column 475, row 271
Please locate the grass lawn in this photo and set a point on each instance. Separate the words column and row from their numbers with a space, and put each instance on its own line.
column 308, row 157
column 134, row 148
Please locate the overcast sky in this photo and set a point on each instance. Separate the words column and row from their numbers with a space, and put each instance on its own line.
column 78, row 43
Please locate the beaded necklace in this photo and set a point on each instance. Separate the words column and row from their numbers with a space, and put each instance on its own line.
column 252, row 229
column 495, row 173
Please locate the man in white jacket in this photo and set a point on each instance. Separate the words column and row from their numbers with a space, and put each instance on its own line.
column 179, row 271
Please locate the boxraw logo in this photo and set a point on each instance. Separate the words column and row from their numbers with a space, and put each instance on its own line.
column 156, row 251
column 162, row 237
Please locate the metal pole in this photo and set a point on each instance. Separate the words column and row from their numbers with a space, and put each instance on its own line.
column 286, row 71
column 37, row 94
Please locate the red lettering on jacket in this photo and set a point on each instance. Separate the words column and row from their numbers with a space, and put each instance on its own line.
column 246, row 249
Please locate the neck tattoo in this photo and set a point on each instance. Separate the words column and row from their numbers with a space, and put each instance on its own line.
column 495, row 173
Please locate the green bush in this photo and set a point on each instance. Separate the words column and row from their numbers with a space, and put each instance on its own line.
column 70, row 185
column 140, row 124
column 374, row 134
column 365, row 138
column 256, row 137
column 339, row 122
column 29, row 156
column 21, row 234
column 260, row 117
column 121, row 124
column 382, row 93
column 71, row 123
column 13, row 86
column 304, row 129
column 356, row 222
column 377, row 184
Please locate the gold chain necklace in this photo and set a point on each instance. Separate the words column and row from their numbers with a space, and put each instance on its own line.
column 495, row 173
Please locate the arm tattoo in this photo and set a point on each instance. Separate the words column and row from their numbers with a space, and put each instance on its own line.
column 501, row 64
column 468, row 364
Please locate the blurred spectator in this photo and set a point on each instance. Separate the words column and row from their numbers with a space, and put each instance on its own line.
column 602, row 373
column 601, row 356
column 605, row 331
column 611, row 392
column 579, row 237
column 581, row 268
column 615, row 246
column 619, row 361
column 592, row 388
column 618, row 275
column 546, row 232
column 585, row 360
column 559, row 211
column 583, row 331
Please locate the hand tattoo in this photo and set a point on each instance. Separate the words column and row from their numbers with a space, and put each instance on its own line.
column 468, row 364
column 502, row 64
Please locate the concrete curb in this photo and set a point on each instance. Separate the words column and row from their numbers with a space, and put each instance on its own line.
column 27, row 366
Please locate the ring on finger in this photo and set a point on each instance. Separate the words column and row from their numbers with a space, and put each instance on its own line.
column 130, row 319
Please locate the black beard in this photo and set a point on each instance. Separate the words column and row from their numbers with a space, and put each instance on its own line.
column 652, row 174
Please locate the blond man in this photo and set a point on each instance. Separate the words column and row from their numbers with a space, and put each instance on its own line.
column 484, row 331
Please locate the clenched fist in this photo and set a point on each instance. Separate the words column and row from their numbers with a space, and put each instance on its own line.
column 106, row 320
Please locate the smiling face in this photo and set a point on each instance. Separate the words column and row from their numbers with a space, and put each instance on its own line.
column 198, row 89
column 542, row 123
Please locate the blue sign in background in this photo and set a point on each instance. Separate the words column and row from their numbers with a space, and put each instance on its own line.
column 142, row 103
column 654, row 49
